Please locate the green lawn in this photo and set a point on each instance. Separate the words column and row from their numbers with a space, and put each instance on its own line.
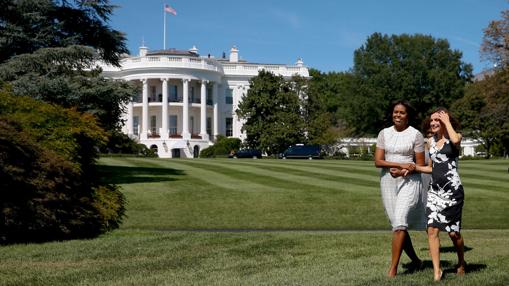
column 268, row 222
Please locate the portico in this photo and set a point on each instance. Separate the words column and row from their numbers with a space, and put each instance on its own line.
column 186, row 101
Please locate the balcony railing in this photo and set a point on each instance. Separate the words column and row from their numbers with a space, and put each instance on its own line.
column 180, row 99
column 166, row 62
column 253, row 69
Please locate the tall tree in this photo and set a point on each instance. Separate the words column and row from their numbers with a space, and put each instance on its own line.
column 418, row 68
column 495, row 46
column 271, row 112
column 484, row 112
column 68, row 77
column 324, row 106
column 28, row 25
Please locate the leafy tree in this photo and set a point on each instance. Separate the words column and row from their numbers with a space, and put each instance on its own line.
column 68, row 77
column 495, row 46
column 271, row 111
column 48, row 185
column 484, row 112
column 28, row 25
column 418, row 68
column 324, row 108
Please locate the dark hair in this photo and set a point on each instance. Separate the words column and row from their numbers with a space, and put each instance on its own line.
column 426, row 125
column 455, row 124
column 410, row 110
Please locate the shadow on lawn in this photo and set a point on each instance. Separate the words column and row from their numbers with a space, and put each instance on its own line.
column 447, row 266
column 449, row 249
column 130, row 175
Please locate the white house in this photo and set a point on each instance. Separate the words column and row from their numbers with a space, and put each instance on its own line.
column 187, row 100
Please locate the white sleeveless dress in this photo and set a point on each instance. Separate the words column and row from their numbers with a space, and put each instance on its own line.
column 402, row 195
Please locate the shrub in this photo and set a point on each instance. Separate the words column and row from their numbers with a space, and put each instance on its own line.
column 120, row 143
column 222, row 148
column 48, row 180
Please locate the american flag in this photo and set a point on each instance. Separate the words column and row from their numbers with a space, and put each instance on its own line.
column 169, row 9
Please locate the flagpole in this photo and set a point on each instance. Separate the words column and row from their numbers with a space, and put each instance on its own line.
column 164, row 31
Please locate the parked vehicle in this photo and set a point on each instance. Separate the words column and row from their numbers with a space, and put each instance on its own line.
column 300, row 151
column 246, row 153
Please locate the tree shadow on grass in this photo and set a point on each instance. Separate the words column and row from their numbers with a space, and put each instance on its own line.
column 131, row 175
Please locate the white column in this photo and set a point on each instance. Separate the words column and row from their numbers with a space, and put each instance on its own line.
column 144, row 120
column 203, row 111
column 164, row 117
column 221, row 106
column 129, row 122
column 216, row 110
column 235, row 119
column 185, row 110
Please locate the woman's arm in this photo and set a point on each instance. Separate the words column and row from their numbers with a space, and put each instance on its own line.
column 381, row 163
column 425, row 169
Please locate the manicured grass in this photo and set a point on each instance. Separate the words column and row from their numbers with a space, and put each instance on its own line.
column 263, row 222
column 283, row 194
column 129, row 257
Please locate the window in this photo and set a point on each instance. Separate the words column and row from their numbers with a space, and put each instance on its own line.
column 191, row 124
column 228, row 96
column 173, row 93
column 136, row 124
column 229, row 126
column 153, row 124
column 209, row 125
column 191, row 94
column 173, row 124
column 209, row 95
column 152, row 94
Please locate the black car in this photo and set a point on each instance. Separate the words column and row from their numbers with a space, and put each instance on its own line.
column 302, row 152
column 246, row 153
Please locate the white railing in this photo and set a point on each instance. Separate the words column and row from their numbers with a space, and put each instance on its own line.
column 241, row 69
column 253, row 69
column 168, row 61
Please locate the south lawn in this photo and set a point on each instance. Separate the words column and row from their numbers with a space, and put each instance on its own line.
column 263, row 222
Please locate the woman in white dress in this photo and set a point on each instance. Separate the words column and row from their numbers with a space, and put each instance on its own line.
column 397, row 147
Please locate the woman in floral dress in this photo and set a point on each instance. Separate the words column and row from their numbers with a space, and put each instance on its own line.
column 445, row 195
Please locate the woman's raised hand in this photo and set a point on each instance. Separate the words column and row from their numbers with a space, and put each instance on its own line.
column 444, row 117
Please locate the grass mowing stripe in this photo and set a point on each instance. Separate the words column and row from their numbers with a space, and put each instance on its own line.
column 303, row 178
column 314, row 171
column 358, row 172
column 501, row 165
column 366, row 167
column 219, row 178
column 489, row 185
column 270, row 178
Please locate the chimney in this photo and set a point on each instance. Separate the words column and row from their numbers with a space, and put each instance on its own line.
column 143, row 51
column 194, row 50
column 299, row 62
column 234, row 55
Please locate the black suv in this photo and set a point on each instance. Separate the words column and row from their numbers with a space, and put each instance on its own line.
column 302, row 152
column 246, row 153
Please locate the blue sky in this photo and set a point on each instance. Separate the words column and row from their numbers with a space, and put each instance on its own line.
column 323, row 33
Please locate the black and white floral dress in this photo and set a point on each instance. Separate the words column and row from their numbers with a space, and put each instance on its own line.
column 445, row 195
